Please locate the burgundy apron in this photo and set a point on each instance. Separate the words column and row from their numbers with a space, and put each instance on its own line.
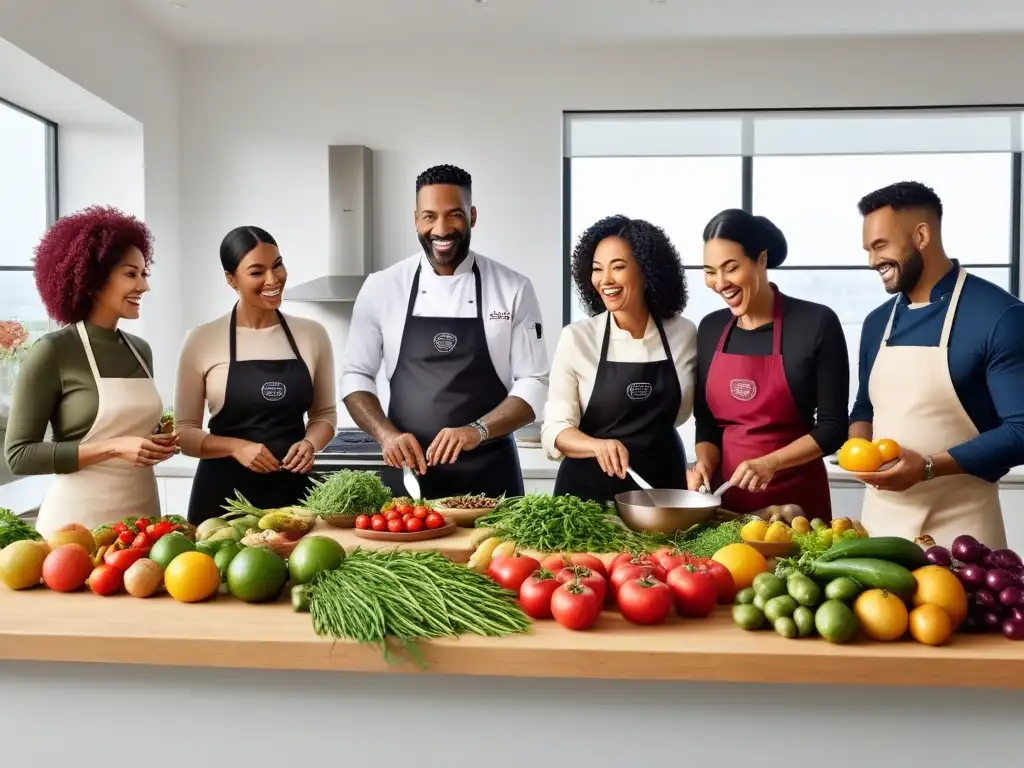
column 753, row 405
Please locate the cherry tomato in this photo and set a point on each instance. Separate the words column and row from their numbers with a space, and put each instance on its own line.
column 435, row 520
column 511, row 572
column 407, row 518
column 413, row 524
column 105, row 580
column 142, row 524
column 392, row 514
column 420, row 512
column 142, row 541
column 363, row 522
column 645, row 601
column 395, row 525
column 403, row 509
column 126, row 538
column 120, row 527
column 535, row 594
column 379, row 523
column 586, row 576
column 695, row 590
column 575, row 606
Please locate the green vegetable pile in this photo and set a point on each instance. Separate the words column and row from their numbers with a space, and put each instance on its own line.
column 410, row 596
column 13, row 528
column 560, row 524
column 702, row 540
column 346, row 493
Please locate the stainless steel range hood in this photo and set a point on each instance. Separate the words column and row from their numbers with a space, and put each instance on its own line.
column 350, row 255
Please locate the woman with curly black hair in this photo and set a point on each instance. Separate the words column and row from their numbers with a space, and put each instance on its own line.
column 622, row 380
column 90, row 381
column 773, row 377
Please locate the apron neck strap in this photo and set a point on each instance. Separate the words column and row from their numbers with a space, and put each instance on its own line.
column 233, row 345
column 84, row 335
column 416, row 289
column 608, row 331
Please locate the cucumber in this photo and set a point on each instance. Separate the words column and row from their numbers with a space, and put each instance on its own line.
column 891, row 548
column 870, row 574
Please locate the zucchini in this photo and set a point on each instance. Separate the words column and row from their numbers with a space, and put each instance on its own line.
column 869, row 573
column 891, row 548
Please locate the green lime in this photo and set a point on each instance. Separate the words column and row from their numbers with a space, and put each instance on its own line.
column 844, row 588
column 745, row 596
column 785, row 626
column 835, row 621
column 169, row 547
column 256, row 575
column 747, row 616
column 768, row 585
column 803, row 617
column 312, row 555
column 780, row 606
column 758, row 602
column 803, row 590
column 224, row 557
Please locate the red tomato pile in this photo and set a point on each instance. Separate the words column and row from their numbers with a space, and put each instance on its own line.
column 573, row 589
column 402, row 519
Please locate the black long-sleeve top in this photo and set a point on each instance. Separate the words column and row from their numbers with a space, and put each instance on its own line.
column 814, row 357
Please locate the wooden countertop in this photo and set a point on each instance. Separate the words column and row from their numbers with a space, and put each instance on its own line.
column 40, row 625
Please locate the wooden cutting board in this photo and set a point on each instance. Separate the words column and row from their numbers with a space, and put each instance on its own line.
column 457, row 547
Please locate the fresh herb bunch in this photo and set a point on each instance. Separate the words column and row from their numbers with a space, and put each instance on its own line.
column 560, row 524
column 375, row 595
column 701, row 540
column 346, row 493
column 13, row 528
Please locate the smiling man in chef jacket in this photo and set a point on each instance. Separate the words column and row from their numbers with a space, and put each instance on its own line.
column 461, row 341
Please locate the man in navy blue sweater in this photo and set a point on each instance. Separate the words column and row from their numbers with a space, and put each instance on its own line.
column 942, row 373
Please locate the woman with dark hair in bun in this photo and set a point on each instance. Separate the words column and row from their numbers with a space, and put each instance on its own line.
column 773, row 377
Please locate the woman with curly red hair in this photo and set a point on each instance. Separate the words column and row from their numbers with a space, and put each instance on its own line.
column 89, row 381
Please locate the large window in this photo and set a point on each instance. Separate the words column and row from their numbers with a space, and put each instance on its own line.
column 28, row 202
column 806, row 171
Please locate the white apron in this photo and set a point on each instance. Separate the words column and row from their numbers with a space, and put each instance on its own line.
column 916, row 405
column 115, row 488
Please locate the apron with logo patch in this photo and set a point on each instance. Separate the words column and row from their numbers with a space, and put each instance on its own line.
column 265, row 401
column 916, row 405
column 636, row 404
column 445, row 378
column 753, row 405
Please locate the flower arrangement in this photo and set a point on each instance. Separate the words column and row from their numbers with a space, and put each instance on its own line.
column 13, row 340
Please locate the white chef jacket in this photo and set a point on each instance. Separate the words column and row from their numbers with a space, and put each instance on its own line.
column 574, row 367
column 511, row 316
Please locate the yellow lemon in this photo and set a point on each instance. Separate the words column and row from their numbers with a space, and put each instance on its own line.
column 743, row 561
column 191, row 577
column 754, row 530
column 777, row 532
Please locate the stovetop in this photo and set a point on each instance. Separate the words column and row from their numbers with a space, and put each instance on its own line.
column 351, row 442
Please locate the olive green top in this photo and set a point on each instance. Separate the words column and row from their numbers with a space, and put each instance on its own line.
column 55, row 387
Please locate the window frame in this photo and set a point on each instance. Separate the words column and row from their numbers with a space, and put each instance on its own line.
column 747, row 182
column 50, row 169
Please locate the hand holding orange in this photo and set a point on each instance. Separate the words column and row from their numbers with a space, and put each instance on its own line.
column 861, row 455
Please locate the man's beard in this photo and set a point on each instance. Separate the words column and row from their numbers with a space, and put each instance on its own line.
column 454, row 257
column 908, row 272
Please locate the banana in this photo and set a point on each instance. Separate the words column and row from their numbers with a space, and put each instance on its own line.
column 481, row 557
column 285, row 522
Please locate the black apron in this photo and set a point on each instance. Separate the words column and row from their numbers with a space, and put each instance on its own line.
column 445, row 378
column 636, row 404
column 265, row 401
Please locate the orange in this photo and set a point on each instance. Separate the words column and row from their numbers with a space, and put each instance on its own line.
column 191, row 577
column 890, row 449
column 743, row 561
column 860, row 455
column 881, row 614
column 939, row 586
column 930, row 625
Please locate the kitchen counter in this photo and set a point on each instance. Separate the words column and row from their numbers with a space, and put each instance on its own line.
column 41, row 625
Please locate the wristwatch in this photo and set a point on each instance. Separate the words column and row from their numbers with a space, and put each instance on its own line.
column 929, row 468
column 480, row 427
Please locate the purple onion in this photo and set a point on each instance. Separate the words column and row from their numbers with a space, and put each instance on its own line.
column 1013, row 629
column 972, row 575
column 985, row 599
column 989, row 561
column 967, row 549
column 1010, row 596
column 1006, row 558
column 970, row 624
column 1017, row 613
column 990, row 621
column 939, row 556
column 998, row 579
column 1019, row 575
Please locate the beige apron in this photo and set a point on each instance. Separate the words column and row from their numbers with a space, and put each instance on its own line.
column 915, row 405
column 115, row 488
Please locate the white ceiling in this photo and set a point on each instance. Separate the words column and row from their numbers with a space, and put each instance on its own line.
column 444, row 23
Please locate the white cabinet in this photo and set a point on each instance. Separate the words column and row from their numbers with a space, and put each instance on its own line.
column 174, row 495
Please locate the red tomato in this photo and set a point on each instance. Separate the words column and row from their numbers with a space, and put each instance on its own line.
column 122, row 559
column 126, row 538
column 669, row 558
column 535, row 594
column 379, row 523
column 142, row 524
column 403, row 509
column 363, row 522
column 413, row 524
column 511, row 572
column 632, row 572
column 641, row 561
column 406, row 518
column 395, row 525
column 435, row 520
column 645, row 601
column 695, row 590
column 585, row 576
column 724, row 581
column 575, row 606
column 420, row 512
column 555, row 563
column 105, row 579
column 392, row 514
column 142, row 541
column 589, row 561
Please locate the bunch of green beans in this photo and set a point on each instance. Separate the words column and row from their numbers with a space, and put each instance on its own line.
column 560, row 524
column 410, row 596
